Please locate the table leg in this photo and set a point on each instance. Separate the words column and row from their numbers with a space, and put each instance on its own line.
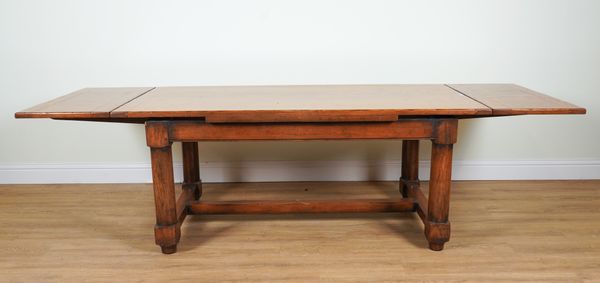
column 191, row 169
column 167, row 230
column 437, row 226
column 410, row 166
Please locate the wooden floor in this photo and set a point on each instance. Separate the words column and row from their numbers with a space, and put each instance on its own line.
column 547, row 231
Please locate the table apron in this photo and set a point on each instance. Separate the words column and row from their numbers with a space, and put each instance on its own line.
column 401, row 129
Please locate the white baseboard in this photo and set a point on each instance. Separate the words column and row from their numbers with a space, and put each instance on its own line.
column 273, row 171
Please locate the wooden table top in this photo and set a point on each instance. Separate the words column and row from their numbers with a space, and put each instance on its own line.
column 302, row 103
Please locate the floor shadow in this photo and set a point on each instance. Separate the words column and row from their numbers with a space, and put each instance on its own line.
column 406, row 225
column 129, row 232
column 191, row 239
column 196, row 233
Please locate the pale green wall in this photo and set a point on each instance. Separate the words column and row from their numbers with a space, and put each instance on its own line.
column 49, row 48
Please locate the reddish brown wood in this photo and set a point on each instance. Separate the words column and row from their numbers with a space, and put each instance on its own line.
column 300, row 206
column 157, row 134
column 415, row 193
column 87, row 103
column 445, row 131
column 409, row 182
column 437, row 226
column 403, row 170
column 300, row 116
column 434, row 212
column 410, row 165
column 511, row 99
column 301, row 103
column 181, row 204
column 167, row 230
column 439, row 182
column 200, row 131
column 191, row 168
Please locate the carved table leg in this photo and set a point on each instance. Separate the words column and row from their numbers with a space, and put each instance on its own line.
column 410, row 166
column 167, row 229
column 437, row 226
column 191, row 168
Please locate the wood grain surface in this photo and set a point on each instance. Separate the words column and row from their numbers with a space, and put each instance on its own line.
column 84, row 103
column 306, row 103
column 299, row 103
column 511, row 99
column 199, row 131
column 503, row 231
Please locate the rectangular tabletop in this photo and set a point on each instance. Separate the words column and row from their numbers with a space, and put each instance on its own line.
column 305, row 103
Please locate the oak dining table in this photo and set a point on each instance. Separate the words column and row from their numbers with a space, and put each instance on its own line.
column 300, row 112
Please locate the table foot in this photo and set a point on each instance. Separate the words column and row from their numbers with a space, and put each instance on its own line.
column 169, row 249
column 436, row 246
column 437, row 235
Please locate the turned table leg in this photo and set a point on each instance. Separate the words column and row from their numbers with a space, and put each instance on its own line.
column 410, row 166
column 191, row 169
column 437, row 226
column 167, row 229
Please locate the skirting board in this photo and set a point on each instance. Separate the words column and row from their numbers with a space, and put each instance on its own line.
column 274, row 171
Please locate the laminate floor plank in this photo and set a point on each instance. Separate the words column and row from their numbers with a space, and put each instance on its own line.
column 545, row 231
